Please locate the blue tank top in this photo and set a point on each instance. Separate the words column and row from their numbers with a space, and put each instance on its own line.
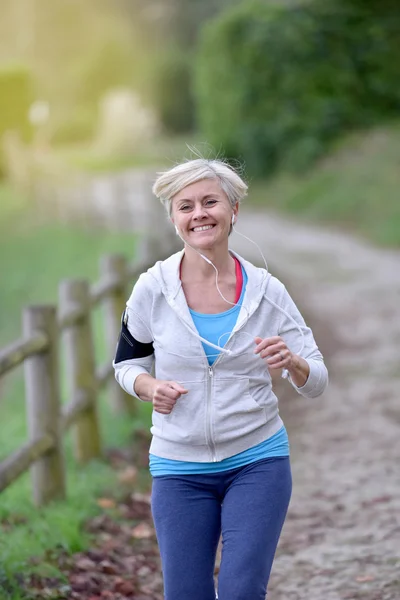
column 217, row 328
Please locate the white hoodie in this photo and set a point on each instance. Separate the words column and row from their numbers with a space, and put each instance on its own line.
column 229, row 406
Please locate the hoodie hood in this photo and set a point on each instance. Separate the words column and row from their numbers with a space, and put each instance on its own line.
column 166, row 273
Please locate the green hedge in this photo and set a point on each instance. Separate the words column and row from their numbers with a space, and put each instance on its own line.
column 171, row 90
column 275, row 84
column 15, row 99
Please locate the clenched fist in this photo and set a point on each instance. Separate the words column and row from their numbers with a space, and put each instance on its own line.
column 163, row 394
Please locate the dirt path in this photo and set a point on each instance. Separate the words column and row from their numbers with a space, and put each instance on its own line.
column 341, row 540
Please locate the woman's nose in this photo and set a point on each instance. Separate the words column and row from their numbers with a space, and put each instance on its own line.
column 199, row 212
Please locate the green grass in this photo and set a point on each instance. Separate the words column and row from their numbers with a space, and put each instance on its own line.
column 34, row 257
column 355, row 188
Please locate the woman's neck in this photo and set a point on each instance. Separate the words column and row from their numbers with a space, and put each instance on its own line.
column 193, row 265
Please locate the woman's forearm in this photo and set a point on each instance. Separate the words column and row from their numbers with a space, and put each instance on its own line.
column 299, row 370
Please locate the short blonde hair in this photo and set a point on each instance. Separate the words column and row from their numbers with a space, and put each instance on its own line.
column 171, row 182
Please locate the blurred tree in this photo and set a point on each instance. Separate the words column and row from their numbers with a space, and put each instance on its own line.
column 75, row 50
column 15, row 99
column 172, row 26
column 275, row 84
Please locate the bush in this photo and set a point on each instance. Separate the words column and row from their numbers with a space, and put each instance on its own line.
column 171, row 93
column 80, row 126
column 275, row 84
column 15, row 99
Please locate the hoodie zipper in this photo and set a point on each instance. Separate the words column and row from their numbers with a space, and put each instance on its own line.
column 210, row 376
column 208, row 414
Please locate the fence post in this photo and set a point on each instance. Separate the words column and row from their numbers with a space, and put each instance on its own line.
column 114, row 268
column 80, row 366
column 42, row 385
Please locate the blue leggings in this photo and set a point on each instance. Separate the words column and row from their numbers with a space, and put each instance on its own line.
column 247, row 505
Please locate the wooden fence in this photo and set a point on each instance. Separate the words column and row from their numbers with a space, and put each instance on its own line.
column 44, row 329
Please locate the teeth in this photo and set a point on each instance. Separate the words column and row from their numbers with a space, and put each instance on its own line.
column 204, row 228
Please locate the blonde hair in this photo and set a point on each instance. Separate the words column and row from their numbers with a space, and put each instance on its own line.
column 171, row 182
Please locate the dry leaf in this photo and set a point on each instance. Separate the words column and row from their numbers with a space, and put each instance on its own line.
column 106, row 502
column 364, row 578
column 85, row 564
column 138, row 497
column 142, row 531
column 128, row 475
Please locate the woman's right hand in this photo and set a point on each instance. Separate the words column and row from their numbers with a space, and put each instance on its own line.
column 163, row 394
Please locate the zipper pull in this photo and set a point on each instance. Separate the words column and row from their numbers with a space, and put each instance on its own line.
column 210, row 372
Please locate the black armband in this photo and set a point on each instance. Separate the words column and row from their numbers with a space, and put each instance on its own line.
column 129, row 348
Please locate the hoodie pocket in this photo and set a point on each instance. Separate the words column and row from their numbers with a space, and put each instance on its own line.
column 186, row 422
column 237, row 413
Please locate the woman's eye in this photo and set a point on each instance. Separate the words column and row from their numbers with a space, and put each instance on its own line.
column 210, row 202
column 184, row 207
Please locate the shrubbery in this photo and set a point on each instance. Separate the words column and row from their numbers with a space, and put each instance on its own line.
column 15, row 99
column 276, row 84
column 171, row 93
column 78, row 126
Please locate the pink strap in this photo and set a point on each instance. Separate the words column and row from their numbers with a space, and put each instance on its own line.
column 239, row 279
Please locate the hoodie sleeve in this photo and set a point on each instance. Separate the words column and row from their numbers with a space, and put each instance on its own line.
column 291, row 324
column 134, row 353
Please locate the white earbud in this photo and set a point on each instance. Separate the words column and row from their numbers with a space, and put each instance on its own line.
column 233, row 219
column 176, row 230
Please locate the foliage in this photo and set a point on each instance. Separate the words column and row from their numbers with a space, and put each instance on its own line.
column 107, row 67
column 275, row 85
column 15, row 99
column 354, row 187
column 79, row 125
column 172, row 93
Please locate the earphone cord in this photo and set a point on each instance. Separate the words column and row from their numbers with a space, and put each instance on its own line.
column 285, row 373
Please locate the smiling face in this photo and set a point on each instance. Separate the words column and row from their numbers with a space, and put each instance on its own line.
column 203, row 214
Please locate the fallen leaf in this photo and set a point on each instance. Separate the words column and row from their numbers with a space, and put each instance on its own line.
column 138, row 497
column 125, row 588
column 106, row 502
column 142, row 531
column 85, row 564
column 364, row 578
column 108, row 568
column 128, row 475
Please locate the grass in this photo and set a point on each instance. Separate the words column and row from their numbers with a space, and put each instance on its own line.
column 34, row 257
column 355, row 188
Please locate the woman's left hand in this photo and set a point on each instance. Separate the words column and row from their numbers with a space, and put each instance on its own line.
column 278, row 356
column 275, row 352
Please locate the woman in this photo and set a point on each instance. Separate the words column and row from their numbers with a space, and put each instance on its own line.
column 216, row 327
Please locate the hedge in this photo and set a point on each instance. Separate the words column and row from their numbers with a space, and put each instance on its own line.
column 15, row 99
column 275, row 84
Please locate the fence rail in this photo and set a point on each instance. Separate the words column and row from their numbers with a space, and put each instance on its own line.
column 45, row 328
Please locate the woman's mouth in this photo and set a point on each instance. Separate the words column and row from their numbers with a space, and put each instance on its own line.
column 202, row 228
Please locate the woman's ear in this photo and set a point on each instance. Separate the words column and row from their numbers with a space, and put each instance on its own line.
column 235, row 213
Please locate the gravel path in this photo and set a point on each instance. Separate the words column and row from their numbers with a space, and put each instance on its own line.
column 341, row 540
